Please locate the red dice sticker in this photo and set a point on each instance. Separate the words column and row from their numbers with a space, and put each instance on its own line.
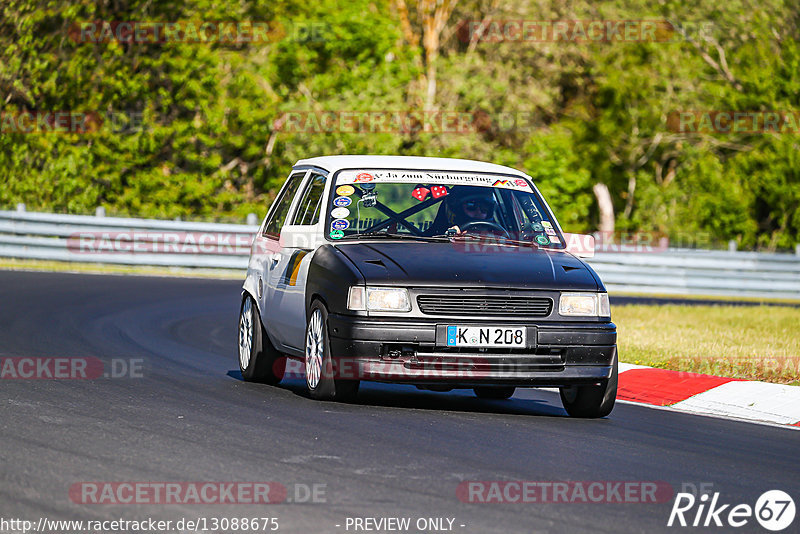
column 420, row 193
column 438, row 191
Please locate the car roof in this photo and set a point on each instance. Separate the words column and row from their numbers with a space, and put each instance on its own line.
column 335, row 163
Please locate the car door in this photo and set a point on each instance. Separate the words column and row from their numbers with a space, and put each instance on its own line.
column 288, row 278
column 268, row 246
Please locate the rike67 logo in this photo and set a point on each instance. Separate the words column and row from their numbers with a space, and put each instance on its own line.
column 774, row 510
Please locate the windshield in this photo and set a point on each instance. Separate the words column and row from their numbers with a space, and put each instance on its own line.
column 422, row 204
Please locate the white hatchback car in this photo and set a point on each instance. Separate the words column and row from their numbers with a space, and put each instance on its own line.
column 441, row 273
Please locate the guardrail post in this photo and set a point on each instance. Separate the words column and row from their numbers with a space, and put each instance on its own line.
column 20, row 206
column 797, row 249
column 731, row 246
column 100, row 211
column 252, row 219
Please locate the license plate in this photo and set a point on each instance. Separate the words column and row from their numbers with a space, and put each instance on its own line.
column 486, row 336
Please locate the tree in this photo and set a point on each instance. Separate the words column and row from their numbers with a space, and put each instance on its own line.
column 432, row 16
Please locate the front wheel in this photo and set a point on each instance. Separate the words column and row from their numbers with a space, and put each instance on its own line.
column 320, row 376
column 592, row 401
column 259, row 361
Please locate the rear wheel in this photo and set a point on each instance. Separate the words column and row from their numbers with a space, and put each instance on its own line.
column 592, row 401
column 320, row 376
column 494, row 392
column 259, row 361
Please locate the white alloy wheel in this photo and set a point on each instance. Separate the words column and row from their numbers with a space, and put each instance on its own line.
column 315, row 348
column 246, row 333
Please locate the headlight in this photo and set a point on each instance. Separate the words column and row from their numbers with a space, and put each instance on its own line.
column 584, row 305
column 378, row 299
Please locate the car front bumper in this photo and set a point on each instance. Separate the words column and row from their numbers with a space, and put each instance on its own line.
column 415, row 352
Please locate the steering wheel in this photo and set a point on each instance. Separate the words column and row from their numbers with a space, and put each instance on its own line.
column 486, row 225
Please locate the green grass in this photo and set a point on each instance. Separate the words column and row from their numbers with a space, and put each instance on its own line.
column 752, row 342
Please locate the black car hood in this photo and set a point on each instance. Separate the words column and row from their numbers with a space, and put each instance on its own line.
column 463, row 264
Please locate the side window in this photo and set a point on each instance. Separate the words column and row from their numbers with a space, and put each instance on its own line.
column 310, row 205
column 282, row 205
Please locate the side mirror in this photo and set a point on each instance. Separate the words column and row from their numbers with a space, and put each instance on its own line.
column 580, row 245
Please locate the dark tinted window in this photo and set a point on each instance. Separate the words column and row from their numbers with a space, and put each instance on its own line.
column 309, row 207
column 282, row 204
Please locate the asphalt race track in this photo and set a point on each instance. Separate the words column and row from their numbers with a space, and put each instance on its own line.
column 397, row 452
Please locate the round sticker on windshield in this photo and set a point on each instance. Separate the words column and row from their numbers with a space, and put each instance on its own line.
column 345, row 190
column 340, row 224
column 542, row 240
column 364, row 177
column 341, row 201
column 336, row 234
column 340, row 213
column 537, row 227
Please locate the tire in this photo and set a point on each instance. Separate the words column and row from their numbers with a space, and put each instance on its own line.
column 494, row 392
column 259, row 361
column 592, row 401
column 320, row 376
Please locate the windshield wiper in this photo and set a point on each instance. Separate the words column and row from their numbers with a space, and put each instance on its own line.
column 497, row 240
column 390, row 235
column 479, row 237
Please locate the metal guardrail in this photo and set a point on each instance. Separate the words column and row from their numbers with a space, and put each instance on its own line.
column 85, row 238
column 701, row 272
column 47, row 236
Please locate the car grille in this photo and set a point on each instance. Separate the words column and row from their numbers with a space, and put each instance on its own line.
column 485, row 305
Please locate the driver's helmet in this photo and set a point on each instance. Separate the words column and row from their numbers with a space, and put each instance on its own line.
column 465, row 204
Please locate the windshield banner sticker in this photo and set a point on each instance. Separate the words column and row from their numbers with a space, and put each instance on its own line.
column 425, row 177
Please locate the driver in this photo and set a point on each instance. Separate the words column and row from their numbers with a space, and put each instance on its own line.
column 464, row 205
